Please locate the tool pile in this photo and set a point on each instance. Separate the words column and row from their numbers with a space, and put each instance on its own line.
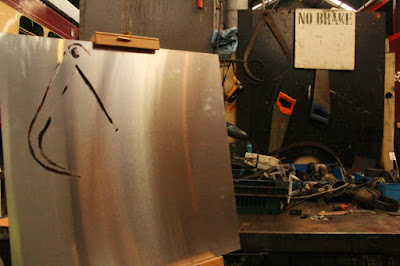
column 264, row 184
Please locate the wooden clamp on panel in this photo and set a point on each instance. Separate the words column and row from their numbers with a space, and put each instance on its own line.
column 125, row 41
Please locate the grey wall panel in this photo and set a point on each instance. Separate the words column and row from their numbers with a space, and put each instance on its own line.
column 179, row 24
column 157, row 191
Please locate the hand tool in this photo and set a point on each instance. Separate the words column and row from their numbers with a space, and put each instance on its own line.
column 340, row 207
column 321, row 106
column 266, row 18
column 365, row 197
column 387, row 204
column 237, row 88
column 237, row 133
column 336, row 213
column 282, row 111
column 361, row 211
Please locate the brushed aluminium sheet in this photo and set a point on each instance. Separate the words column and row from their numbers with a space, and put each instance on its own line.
column 80, row 192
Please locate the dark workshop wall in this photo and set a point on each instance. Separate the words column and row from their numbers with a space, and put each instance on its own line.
column 356, row 123
column 179, row 24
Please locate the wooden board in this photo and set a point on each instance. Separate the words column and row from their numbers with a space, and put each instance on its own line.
column 389, row 112
column 125, row 40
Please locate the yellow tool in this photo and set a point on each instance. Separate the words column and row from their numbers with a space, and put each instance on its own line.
column 231, row 95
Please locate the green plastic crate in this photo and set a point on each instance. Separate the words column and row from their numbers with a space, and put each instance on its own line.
column 260, row 196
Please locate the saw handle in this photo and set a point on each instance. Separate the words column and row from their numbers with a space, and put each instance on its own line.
column 231, row 95
column 319, row 113
column 285, row 103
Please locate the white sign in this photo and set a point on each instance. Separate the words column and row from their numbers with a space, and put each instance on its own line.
column 324, row 39
column 392, row 156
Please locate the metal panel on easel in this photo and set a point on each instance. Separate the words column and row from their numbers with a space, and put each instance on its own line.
column 114, row 158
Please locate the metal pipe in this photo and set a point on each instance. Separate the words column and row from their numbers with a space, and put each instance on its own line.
column 219, row 25
column 231, row 11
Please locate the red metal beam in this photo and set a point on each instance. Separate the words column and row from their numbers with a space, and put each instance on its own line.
column 373, row 5
column 378, row 5
column 394, row 45
column 394, row 36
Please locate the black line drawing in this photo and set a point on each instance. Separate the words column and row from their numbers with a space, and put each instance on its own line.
column 39, row 155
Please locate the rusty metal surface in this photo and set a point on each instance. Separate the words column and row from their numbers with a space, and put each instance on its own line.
column 179, row 24
column 157, row 191
column 358, row 223
column 355, row 233
column 381, row 258
column 324, row 243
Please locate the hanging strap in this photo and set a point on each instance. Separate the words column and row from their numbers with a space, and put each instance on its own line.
column 266, row 18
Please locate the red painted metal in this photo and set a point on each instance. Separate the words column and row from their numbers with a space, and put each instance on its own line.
column 394, row 46
column 46, row 16
column 396, row 22
column 378, row 5
column 394, row 36
column 200, row 4
column 373, row 5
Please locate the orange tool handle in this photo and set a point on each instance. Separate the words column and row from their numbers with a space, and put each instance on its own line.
column 288, row 101
column 235, row 86
column 200, row 4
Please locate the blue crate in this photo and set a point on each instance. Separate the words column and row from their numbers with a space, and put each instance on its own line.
column 359, row 177
column 260, row 196
column 387, row 190
column 336, row 171
column 390, row 190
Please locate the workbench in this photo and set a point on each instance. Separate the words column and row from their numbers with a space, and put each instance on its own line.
column 374, row 237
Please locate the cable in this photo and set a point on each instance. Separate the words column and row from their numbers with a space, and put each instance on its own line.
column 257, row 174
column 252, row 80
column 225, row 72
column 293, row 205
column 250, row 159
column 310, row 144
column 320, row 193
